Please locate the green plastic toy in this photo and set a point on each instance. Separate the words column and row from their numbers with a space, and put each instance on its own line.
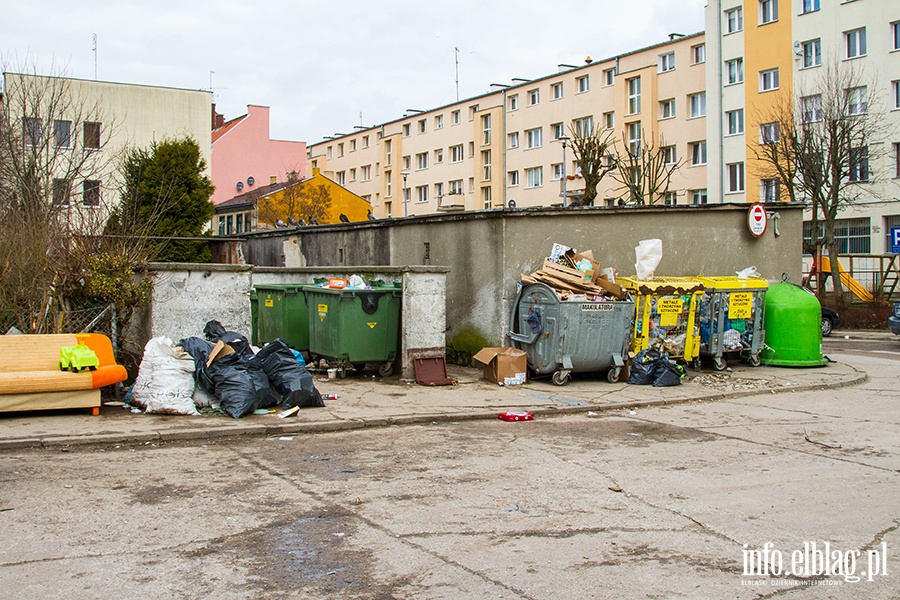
column 77, row 358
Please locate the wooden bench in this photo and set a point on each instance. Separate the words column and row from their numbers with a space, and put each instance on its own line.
column 30, row 378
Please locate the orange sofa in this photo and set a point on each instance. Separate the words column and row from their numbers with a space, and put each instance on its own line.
column 30, row 378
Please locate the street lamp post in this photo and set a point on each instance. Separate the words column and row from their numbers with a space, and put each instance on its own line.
column 564, row 139
column 405, row 174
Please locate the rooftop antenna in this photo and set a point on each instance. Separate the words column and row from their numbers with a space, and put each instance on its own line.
column 360, row 119
column 211, row 92
column 457, row 72
column 95, row 56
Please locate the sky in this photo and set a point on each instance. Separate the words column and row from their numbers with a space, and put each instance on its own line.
column 325, row 67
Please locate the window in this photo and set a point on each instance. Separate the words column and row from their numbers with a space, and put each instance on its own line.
column 31, row 131
column 365, row 141
column 666, row 62
column 584, row 126
column 895, row 86
column 698, row 104
column 634, row 138
column 735, row 70
column 388, row 152
column 352, row 174
column 768, row 80
column 556, row 91
column 352, row 145
column 366, row 173
column 769, row 133
column 533, row 138
column 734, row 20
column 853, row 236
column 422, row 193
column 512, row 178
column 406, row 130
column 698, row 197
column 454, row 117
column 62, row 133
column 698, row 54
column 422, row 128
column 471, row 149
column 609, row 77
column 810, row 6
column 229, row 224
column 456, row 153
column 407, row 162
column 485, row 165
column 455, row 187
column 557, row 169
column 735, row 177
column 698, row 153
column 634, row 95
column 811, row 108
column 341, row 177
column 855, row 42
column 896, row 146
column 62, row 191
column 340, row 150
column 768, row 11
column 609, row 120
column 422, row 160
column 513, row 102
column 812, row 53
column 486, row 197
column 859, row 164
column 486, row 129
column 668, row 155
column 857, row 100
column 535, row 177
column 439, row 122
column 534, row 97
column 472, row 110
column 895, row 35
column 222, row 225
column 90, row 193
column 388, row 184
column 769, row 190
column 559, row 130
column 667, row 109
column 438, row 156
column 670, row 198
column 734, row 120
column 513, row 139
column 438, row 190
column 583, row 84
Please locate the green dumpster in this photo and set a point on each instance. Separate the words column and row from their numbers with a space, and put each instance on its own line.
column 254, row 310
column 282, row 313
column 355, row 328
column 793, row 328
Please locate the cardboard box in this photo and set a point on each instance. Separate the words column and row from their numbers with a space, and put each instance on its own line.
column 219, row 350
column 506, row 366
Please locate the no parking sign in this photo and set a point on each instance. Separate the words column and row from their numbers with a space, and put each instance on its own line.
column 757, row 220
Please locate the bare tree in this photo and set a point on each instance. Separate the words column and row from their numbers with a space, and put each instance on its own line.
column 820, row 149
column 645, row 170
column 299, row 200
column 592, row 147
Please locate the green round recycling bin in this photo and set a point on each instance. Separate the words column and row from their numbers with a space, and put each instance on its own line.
column 793, row 328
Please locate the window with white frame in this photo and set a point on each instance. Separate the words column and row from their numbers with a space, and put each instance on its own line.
column 422, row 193
column 457, row 154
column 352, row 145
column 513, row 139
column 698, row 153
column 422, row 126
column 439, row 122
column 895, row 35
column 812, row 53
column 486, row 129
column 512, row 178
column 438, row 190
column 609, row 77
column 584, row 126
column 353, row 174
column 556, row 169
column 455, row 187
column 735, row 175
column 513, row 102
column 666, row 62
column 365, row 172
column 853, row 236
column 534, row 138
column 340, row 150
column 669, row 155
column 769, row 190
column 583, row 84
column 811, row 108
column 670, row 198
column 473, row 110
column 407, row 192
column 422, row 160
column 809, row 6
column 734, row 70
column 472, row 152
column 667, row 108
column 365, row 141
column 407, row 128
column 329, row 151
column 768, row 80
column 896, row 168
column 734, row 20
column 485, row 165
column 534, row 177
column 734, row 121
column 634, row 95
column 895, row 88
column 857, row 100
column 556, row 91
column 407, row 162
column 438, row 156
column 388, row 152
column 388, row 184
column 698, row 104
column 768, row 11
column 859, row 164
column 698, row 54
column 454, row 117
column 486, row 197
column 698, row 196
column 559, row 130
column 609, row 120
column 769, row 133
column 855, row 43
column 534, row 97
column 633, row 132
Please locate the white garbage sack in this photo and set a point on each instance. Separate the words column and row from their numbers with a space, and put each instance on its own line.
column 648, row 253
column 165, row 381
column 747, row 273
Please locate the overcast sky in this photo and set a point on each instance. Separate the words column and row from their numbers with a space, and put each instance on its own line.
column 318, row 65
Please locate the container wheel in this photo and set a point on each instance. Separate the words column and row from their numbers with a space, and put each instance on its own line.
column 720, row 363
column 754, row 360
column 560, row 378
column 385, row 369
column 613, row 375
column 342, row 372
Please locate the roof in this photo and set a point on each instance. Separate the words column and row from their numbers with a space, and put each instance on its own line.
column 217, row 133
column 247, row 199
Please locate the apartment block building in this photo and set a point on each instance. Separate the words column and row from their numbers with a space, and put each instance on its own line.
column 505, row 146
column 762, row 53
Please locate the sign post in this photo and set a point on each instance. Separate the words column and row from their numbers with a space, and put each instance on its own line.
column 895, row 240
column 757, row 220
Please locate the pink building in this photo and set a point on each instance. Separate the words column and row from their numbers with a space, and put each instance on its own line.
column 243, row 156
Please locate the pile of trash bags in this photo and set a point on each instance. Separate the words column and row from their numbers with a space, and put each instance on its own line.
column 652, row 367
column 178, row 379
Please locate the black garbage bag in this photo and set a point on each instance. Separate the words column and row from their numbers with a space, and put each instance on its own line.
column 288, row 377
column 668, row 373
column 199, row 350
column 215, row 331
column 240, row 384
column 643, row 367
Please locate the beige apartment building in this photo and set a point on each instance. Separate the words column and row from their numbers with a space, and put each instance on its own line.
column 505, row 147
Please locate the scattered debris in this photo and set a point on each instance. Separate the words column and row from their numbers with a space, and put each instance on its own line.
column 823, row 444
column 615, row 488
column 516, row 416
column 726, row 382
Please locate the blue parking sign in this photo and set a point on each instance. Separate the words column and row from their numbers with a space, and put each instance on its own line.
column 895, row 240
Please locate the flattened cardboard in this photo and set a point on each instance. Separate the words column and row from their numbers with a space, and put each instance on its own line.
column 219, row 350
column 504, row 366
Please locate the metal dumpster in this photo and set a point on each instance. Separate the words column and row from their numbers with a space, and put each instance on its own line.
column 282, row 312
column 354, row 327
column 732, row 313
column 561, row 337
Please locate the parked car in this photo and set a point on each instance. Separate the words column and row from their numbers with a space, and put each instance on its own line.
column 894, row 319
column 830, row 320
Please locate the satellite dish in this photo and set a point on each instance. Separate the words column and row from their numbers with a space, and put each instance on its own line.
column 240, row 185
column 511, row 204
column 798, row 48
column 250, row 181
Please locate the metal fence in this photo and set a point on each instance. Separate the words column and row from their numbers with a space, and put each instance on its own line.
column 98, row 319
column 876, row 273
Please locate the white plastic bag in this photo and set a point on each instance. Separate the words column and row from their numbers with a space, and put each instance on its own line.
column 648, row 254
column 165, row 381
column 747, row 273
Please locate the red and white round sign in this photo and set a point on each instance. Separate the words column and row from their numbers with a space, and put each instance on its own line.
column 757, row 220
